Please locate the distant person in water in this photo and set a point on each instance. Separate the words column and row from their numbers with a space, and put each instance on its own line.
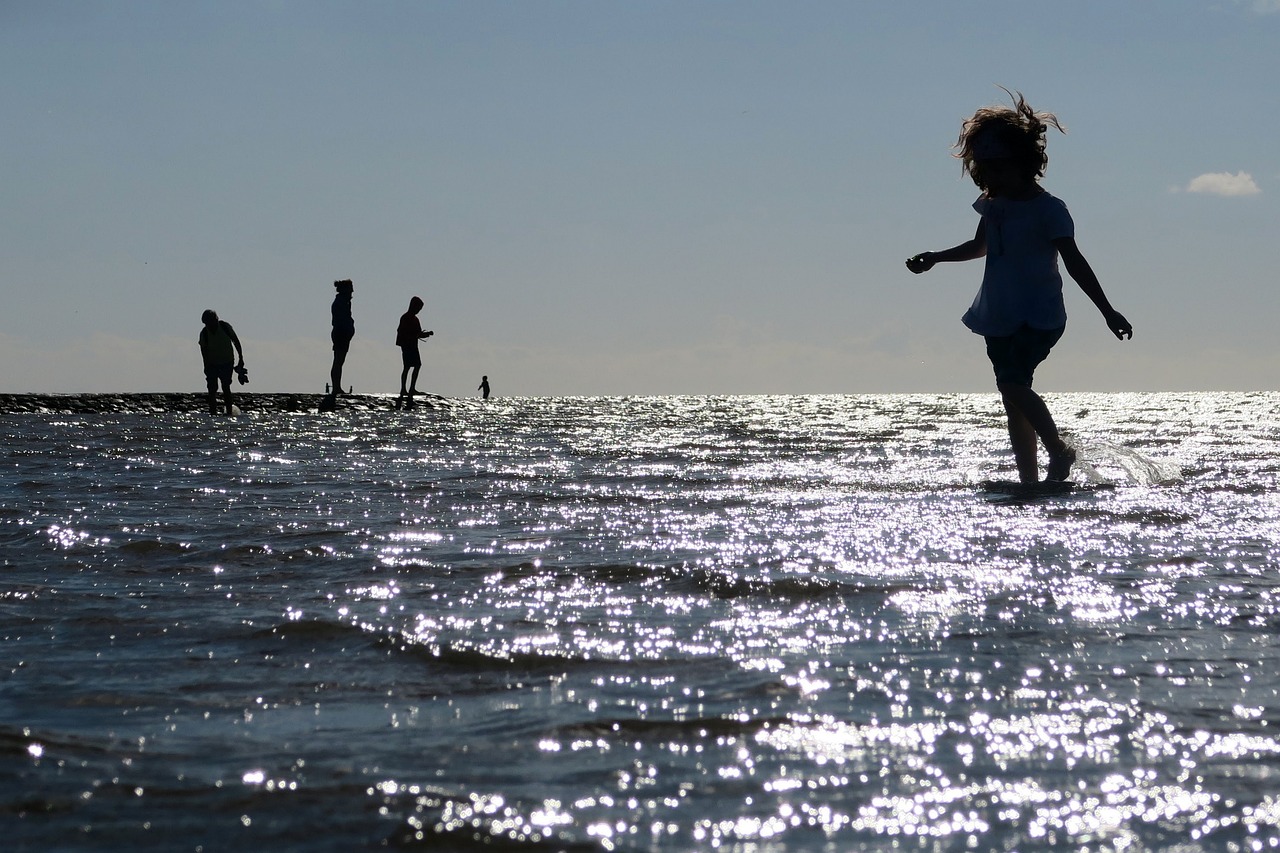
column 484, row 387
column 219, row 347
column 1019, row 308
column 408, row 334
column 344, row 329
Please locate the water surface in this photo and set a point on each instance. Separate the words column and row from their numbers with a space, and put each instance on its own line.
column 671, row 623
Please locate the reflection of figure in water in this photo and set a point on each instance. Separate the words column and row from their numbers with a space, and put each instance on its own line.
column 408, row 334
column 484, row 387
column 219, row 347
column 1022, row 232
column 344, row 329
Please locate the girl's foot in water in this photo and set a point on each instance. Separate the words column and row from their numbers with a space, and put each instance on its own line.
column 1060, row 464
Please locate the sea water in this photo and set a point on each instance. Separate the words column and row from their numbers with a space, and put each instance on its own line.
column 667, row 623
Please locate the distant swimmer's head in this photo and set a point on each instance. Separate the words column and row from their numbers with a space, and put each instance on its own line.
column 415, row 304
column 209, row 317
column 1001, row 140
column 344, row 286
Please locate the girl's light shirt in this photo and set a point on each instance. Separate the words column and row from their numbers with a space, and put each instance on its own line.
column 1021, row 283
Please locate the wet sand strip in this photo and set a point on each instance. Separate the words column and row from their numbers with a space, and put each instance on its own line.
column 88, row 404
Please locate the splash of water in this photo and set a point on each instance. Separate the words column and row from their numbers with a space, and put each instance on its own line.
column 1102, row 462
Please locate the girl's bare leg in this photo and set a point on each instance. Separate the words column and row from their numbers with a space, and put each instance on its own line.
column 1022, row 438
column 1028, row 418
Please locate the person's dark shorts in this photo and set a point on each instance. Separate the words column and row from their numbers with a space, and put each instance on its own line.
column 1016, row 357
column 215, row 373
column 411, row 356
column 342, row 341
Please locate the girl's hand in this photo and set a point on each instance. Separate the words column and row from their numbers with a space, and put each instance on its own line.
column 920, row 263
column 1119, row 326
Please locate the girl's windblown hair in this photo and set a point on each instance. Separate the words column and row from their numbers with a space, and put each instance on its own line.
column 1001, row 132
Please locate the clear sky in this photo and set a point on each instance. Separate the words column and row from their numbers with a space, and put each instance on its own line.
column 622, row 197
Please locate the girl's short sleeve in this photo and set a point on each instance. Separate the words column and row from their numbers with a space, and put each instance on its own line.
column 1057, row 219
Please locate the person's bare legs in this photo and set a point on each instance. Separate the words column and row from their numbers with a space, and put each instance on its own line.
column 413, row 384
column 1022, row 438
column 1028, row 418
column 335, row 372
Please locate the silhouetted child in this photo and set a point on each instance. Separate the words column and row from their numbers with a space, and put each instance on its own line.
column 219, row 347
column 484, row 387
column 408, row 333
column 1022, row 233
column 344, row 329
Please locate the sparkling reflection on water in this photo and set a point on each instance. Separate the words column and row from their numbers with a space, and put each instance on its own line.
column 764, row 623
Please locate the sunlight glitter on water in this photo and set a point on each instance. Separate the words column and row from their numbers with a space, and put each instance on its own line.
column 759, row 624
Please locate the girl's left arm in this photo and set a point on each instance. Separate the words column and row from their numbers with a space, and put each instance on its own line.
column 1078, row 268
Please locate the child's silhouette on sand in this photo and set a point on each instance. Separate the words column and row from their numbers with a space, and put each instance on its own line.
column 408, row 333
column 1019, row 308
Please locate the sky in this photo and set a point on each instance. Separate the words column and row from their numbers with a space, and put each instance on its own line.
column 622, row 198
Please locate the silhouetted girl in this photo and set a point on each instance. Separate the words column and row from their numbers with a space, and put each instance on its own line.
column 1022, row 233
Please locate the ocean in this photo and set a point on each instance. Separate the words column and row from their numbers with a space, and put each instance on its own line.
column 652, row 623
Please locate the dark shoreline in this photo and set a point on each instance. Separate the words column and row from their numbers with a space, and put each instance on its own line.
column 88, row 404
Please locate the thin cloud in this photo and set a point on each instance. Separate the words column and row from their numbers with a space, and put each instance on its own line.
column 1261, row 7
column 1224, row 184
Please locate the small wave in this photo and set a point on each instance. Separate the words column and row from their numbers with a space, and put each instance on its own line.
column 476, row 661
column 718, row 583
column 704, row 727
column 793, row 588
column 152, row 547
column 1144, row 518
column 308, row 630
column 457, row 654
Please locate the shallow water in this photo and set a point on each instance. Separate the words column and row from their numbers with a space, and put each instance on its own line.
column 750, row 623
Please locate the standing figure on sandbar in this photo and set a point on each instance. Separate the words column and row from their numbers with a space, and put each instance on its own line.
column 408, row 333
column 344, row 329
column 219, row 347
column 484, row 387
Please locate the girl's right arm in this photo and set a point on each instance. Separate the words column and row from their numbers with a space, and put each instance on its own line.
column 966, row 251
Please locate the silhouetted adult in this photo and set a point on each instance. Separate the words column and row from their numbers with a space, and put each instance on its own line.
column 408, row 333
column 219, row 347
column 484, row 387
column 344, row 329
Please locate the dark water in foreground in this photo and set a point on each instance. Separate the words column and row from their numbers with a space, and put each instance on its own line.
column 768, row 623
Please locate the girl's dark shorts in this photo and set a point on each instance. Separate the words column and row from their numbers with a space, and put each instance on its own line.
column 1016, row 357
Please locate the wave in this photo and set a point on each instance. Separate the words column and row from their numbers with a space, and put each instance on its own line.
column 153, row 547
column 761, row 582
